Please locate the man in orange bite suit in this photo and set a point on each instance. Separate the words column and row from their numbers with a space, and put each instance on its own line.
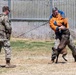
column 60, row 25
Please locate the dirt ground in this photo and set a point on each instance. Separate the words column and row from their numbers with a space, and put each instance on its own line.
column 36, row 63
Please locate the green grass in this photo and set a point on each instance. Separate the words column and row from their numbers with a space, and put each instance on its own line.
column 20, row 45
column 31, row 45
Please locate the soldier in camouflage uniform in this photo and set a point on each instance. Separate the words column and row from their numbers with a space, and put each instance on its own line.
column 5, row 33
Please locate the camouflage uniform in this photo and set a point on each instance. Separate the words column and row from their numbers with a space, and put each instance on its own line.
column 5, row 32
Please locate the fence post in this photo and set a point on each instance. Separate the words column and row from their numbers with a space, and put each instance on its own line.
column 51, row 6
column 9, row 5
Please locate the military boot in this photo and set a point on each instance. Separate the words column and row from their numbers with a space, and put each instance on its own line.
column 8, row 65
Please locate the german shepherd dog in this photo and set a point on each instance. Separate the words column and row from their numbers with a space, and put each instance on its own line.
column 63, row 52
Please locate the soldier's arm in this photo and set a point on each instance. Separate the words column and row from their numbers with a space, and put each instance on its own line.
column 7, row 24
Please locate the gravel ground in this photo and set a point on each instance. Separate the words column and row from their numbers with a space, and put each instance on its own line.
column 32, row 64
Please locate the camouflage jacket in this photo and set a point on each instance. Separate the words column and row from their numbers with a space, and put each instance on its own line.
column 5, row 27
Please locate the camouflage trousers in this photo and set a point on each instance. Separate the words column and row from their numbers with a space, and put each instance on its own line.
column 61, row 41
column 6, row 45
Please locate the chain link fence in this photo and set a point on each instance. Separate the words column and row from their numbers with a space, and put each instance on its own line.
column 30, row 9
column 29, row 14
